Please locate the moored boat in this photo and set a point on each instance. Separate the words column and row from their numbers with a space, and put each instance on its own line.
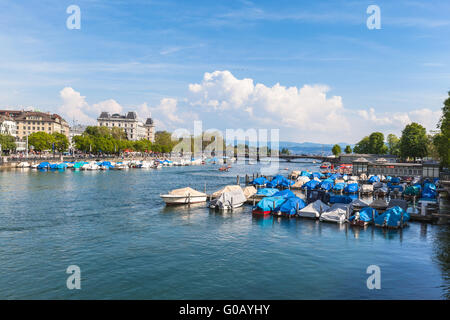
column 183, row 196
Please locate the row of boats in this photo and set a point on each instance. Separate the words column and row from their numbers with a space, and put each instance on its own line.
column 276, row 197
column 106, row 165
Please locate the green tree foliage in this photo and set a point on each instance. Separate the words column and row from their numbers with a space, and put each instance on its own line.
column 376, row 143
column 393, row 144
column 41, row 141
column 336, row 150
column 61, row 142
column 413, row 143
column 163, row 141
column 348, row 149
column 7, row 142
column 110, row 140
column 362, row 146
column 285, row 151
column 442, row 140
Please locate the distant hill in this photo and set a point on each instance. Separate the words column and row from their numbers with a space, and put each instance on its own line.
column 310, row 147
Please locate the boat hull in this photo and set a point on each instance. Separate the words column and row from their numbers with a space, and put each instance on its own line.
column 176, row 200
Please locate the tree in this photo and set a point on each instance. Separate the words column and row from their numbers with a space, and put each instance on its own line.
column 285, row 151
column 376, row 143
column 413, row 142
column 442, row 140
column 61, row 142
column 41, row 141
column 362, row 146
column 348, row 149
column 393, row 144
column 7, row 142
column 336, row 150
column 164, row 139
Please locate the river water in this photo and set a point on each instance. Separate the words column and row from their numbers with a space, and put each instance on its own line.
column 128, row 245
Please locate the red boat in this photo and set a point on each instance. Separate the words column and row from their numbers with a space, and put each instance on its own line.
column 261, row 212
column 325, row 165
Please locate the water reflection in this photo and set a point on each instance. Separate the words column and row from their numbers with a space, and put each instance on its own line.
column 441, row 251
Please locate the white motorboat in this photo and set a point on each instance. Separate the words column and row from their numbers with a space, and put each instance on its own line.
column 183, row 196
column 337, row 213
column 313, row 210
column 23, row 165
column 229, row 200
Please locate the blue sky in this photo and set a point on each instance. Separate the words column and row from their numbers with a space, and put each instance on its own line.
column 309, row 68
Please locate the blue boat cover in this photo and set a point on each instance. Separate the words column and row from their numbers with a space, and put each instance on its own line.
column 311, row 185
column 315, row 175
column 429, row 191
column 351, row 188
column 62, row 166
column 339, row 186
column 280, row 181
column 285, row 194
column 326, row 185
column 290, row 205
column 366, row 214
column 268, row 192
column 392, row 217
column 286, row 183
column 395, row 186
column 395, row 180
column 340, row 199
column 304, row 174
column 54, row 166
column 412, row 190
column 43, row 165
column 388, row 178
column 260, row 181
column 373, row 179
column 267, row 204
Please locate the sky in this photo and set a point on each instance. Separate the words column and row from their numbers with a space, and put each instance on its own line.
column 312, row 69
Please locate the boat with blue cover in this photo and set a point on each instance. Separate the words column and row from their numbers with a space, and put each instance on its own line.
column 290, row 207
column 267, row 205
column 363, row 217
column 394, row 217
column 351, row 188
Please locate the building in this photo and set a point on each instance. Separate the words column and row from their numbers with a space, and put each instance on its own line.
column 133, row 128
column 426, row 170
column 75, row 130
column 29, row 122
column 8, row 125
column 350, row 157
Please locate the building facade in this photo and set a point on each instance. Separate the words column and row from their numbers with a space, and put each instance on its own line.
column 133, row 128
column 426, row 170
column 28, row 122
column 8, row 125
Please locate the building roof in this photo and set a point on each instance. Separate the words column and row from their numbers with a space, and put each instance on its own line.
column 22, row 115
column 129, row 116
column 149, row 121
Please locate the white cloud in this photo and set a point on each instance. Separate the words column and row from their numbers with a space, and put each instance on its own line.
column 166, row 114
column 303, row 114
column 307, row 108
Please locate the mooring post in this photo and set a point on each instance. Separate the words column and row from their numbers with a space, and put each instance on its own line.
column 237, row 180
column 189, row 199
